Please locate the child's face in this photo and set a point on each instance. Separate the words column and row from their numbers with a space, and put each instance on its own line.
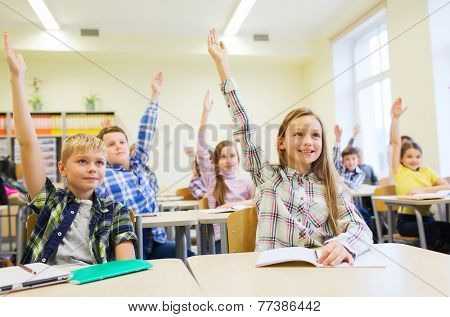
column 118, row 148
column 302, row 142
column 84, row 172
column 412, row 158
column 350, row 162
column 228, row 160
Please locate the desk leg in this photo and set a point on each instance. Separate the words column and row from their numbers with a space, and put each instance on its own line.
column 21, row 221
column 423, row 240
column 390, row 223
column 203, row 239
column 180, row 241
column 211, row 239
column 223, row 238
column 140, row 237
column 188, row 237
column 447, row 212
column 377, row 223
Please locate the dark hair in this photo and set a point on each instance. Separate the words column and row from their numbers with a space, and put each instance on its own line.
column 221, row 189
column 351, row 150
column 110, row 129
column 409, row 145
column 407, row 138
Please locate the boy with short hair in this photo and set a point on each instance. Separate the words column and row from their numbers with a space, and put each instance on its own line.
column 73, row 226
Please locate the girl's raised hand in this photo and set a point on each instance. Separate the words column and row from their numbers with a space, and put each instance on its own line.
column 334, row 253
column 16, row 63
column 217, row 49
column 397, row 108
column 207, row 103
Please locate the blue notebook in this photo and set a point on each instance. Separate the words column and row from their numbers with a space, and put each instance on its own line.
column 106, row 270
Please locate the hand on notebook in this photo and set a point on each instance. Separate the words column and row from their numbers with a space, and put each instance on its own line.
column 334, row 253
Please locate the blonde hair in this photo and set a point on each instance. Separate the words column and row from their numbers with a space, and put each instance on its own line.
column 221, row 189
column 80, row 143
column 322, row 167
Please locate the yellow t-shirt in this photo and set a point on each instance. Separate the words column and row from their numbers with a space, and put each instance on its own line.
column 407, row 179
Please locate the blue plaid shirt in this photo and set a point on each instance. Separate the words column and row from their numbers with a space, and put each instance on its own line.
column 133, row 187
column 352, row 179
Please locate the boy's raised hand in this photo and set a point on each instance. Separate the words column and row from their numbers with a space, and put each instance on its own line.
column 397, row 108
column 207, row 103
column 356, row 130
column 337, row 132
column 157, row 84
column 16, row 63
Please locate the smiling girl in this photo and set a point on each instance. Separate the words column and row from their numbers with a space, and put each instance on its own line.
column 300, row 201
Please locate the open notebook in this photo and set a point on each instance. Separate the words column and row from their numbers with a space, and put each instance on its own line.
column 220, row 210
column 438, row 195
column 300, row 254
column 17, row 278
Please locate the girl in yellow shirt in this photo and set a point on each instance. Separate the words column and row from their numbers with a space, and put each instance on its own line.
column 412, row 178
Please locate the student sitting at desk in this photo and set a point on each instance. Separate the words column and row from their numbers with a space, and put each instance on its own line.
column 301, row 201
column 73, row 224
column 412, row 178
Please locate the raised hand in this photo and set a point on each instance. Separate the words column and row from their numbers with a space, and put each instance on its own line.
column 106, row 122
column 16, row 63
column 397, row 108
column 219, row 54
column 157, row 84
column 356, row 130
column 337, row 132
column 207, row 103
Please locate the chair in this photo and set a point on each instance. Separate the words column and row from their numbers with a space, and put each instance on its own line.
column 203, row 203
column 380, row 206
column 32, row 219
column 242, row 230
column 185, row 193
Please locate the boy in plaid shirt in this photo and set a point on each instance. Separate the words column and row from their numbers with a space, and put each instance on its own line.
column 74, row 226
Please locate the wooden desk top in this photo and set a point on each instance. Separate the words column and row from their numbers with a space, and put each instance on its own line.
column 396, row 200
column 363, row 191
column 422, row 273
column 207, row 219
column 169, row 219
column 186, row 204
column 168, row 277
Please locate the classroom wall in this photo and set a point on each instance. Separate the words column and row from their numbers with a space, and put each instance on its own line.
column 411, row 77
column 267, row 86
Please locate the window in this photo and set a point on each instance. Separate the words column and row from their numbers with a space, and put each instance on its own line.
column 363, row 89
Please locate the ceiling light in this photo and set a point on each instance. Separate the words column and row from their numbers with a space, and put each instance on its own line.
column 239, row 17
column 42, row 12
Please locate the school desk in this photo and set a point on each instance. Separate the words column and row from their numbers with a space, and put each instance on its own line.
column 168, row 277
column 391, row 201
column 409, row 271
column 206, row 222
column 179, row 220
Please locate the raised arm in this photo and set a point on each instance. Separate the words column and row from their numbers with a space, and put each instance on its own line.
column 32, row 161
column 396, row 111
column 207, row 171
column 253, row 157
column 337, row 154
column 355, row 132
column 147, row 125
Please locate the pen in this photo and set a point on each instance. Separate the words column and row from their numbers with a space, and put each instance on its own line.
column 26, row 268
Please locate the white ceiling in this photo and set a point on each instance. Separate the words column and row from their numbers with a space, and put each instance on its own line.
column 291, row 24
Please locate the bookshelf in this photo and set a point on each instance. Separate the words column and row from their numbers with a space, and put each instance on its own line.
column 52, row 128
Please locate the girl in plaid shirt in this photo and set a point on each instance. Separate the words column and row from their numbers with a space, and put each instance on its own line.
column 301, row 202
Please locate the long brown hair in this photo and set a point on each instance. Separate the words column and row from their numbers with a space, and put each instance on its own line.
column 221, row 189
column 322, row 167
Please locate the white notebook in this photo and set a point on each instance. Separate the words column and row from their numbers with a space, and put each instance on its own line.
column 300, row 254
column 16, row 278
column 220, row 210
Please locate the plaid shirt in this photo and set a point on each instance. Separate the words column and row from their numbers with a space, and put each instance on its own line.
column 109, row 226
column 352, row 179
column 134, row 187
column 292, row 208
column 197, row 188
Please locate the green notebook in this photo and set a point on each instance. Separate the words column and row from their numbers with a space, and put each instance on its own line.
column 106, row 270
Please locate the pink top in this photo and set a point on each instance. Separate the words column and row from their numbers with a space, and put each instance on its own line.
column 240, row 185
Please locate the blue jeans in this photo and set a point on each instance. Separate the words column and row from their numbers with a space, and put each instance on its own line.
column 154, row 250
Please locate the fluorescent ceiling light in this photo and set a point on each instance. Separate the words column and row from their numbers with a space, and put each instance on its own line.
column 42, row 12
column 239, row 17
